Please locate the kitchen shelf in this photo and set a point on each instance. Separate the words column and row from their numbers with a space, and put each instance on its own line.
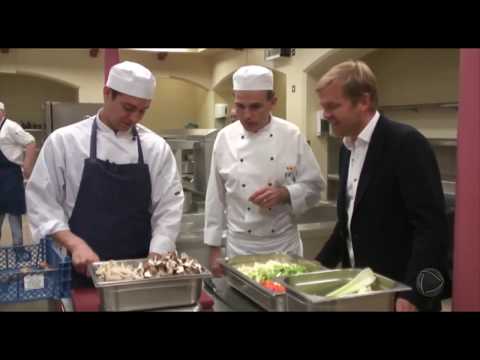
column 417, row 107
column 35, row 130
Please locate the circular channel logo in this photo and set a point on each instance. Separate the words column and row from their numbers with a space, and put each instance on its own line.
column 430, row 282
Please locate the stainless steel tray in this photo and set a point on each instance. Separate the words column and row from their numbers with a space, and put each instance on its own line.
column 155, row 293
column 306, row 292
column 265, row 298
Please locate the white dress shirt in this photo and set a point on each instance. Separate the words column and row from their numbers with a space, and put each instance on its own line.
column 53, row 187
column 358, row 152
column 13, row 140
column 244, row 162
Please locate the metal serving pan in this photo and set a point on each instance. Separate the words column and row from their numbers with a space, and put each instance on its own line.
column 306, row 292
column 265, row 298
column 155, row 293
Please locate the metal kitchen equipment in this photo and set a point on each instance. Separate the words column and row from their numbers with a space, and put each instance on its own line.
column 167, row 291
column 267, row 299
column 193, row 152
column 306, row 292
column 60, row 114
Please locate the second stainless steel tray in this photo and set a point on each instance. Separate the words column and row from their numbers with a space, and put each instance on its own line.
column 155, row 293
column 307, row 292
column 265, row 298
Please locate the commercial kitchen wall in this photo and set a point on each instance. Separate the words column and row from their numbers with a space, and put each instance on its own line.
column 405, row 76
column 419, row 76
column 176, row 103
column 24, row 95
column 183, row 79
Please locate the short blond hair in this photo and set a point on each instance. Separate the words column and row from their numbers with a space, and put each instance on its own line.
column 357, row 79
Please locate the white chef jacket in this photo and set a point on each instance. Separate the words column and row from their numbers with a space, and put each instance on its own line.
column 358, row 153
column 244, row 162
column 52, row 190
column 13, row 140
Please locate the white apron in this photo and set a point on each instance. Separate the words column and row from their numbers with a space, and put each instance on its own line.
column 289, row 243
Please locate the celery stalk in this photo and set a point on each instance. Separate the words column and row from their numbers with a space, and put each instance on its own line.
column 358, row 284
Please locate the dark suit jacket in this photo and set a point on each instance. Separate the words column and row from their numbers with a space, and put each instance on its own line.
column 398, row 224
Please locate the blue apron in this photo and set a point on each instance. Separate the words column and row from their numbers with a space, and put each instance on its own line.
column 111, row 212
column 12, row 191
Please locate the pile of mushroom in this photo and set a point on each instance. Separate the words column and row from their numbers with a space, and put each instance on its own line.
column 171, row 264
column 168, row 264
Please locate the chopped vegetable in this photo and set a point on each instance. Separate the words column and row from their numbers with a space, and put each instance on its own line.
column 272, row 285
column 270, row 270
column 359, row 284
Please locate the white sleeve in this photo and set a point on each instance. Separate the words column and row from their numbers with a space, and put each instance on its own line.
column 167, row 200
column 215, row 219
column 45, row 191
column 20, row 136
column 309, row 182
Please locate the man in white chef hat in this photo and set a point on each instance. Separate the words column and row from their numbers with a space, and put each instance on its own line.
column 263, row 173
column 107, row 187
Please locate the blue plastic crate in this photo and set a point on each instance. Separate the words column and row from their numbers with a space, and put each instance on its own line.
column 22, row 278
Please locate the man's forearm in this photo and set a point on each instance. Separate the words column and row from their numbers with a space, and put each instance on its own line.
column 30, row 155
column 68, row 239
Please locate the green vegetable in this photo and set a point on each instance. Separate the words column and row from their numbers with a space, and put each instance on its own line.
column 270, row 270
column 359, row 284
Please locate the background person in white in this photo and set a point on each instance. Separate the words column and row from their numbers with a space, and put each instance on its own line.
column 17, row 150
column 263, row 173
column 107, row 187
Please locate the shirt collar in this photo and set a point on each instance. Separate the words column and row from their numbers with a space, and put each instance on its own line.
column 105, row 128
column 365, row 135
column 266, row 128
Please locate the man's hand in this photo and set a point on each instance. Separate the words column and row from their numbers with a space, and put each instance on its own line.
column 82, row 256
column 26, row 174
column 215, row 267
column 269, row 197
column 403, row 305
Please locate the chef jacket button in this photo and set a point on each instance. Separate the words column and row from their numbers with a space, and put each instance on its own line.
column 243, row 185
column 271, row 135
column 272, row 158
column 273, row 230
column 241, row 160
column 249, row 231
column 269, row 184
column 248, row 209
column 243, row 137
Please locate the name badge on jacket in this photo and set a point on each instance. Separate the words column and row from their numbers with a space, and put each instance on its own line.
column 291, row 175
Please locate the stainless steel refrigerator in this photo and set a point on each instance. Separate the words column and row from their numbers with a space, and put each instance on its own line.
column 59, row 114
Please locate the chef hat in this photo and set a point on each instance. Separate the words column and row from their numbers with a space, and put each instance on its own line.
column 132, row 79
column 253, row 77
column 2, row 107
